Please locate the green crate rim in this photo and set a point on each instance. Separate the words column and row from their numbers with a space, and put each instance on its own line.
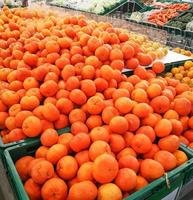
column 18, row 185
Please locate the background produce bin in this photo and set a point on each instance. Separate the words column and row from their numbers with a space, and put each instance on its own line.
column 27, row 140
column 107, row 11
column 158, row 189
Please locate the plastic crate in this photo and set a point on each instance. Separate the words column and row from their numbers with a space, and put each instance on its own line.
column 175, row 30
column 168, row 187
column 158, row 189
column 106, row 12
column 168, row 67
column 27, row 140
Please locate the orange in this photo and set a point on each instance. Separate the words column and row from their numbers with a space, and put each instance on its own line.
column 21, row 167
column 108, row 113
column 166, row 159
column 85, row 172
column 130, row 162
column 67, row 167
column 80, row 142
column 142, row 110
column 56, row 152
column 109, row 191
column 133, row 122
column 119, row 125
column 124, row 105
column 182, row 106
column 83, row 190
column 126, row 179
column 165, row 143
column 163, row 128
column 148, row 131
column 99, row 133
column 82, row 157
column 95, row 105
column 78, row 127
column 141, row 143
column 105, row 168
column 32, row 189
column 156, row 171
column 54, row 188
column 42, row 171
column 181, row 157
column 158, row 67
column 49, row 137
column 160, row 104
column 32, row 126
column 98, row 148
column 141, row 183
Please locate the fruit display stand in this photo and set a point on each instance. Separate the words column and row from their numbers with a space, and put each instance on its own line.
column 167, row 187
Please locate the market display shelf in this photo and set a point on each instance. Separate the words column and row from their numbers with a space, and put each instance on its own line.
column 27, row 140
column 167, row 186
column 106, row 12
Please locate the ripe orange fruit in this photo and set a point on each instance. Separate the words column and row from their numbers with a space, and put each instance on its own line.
column 130, row 162
column 126, row 179
column 95, row 105
column 21, row 167
column 158, row 67
column 67, row 167
column 54, row 187
column 32, row 126
column 33, row 189
column 105, row 168
column 141, row 183
column 117, row 143
column 141, row 143
column 97, row 148
column 163, row 128
column 109, row 191
column 166, row 159
column 124, row 105
column 56, row 152
column 181, row 157
column 85, row 172
column 182, row 106
column 99, row 133
column 156, row 171
column 83, row 190
column 142, row 110
column 165, row 143
column 49, row 137
column 80, row 142
column 160, row 104
column 133, row 122
column 42, row 171
column 118, row 125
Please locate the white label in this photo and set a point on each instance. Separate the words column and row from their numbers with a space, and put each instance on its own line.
column 172, row 195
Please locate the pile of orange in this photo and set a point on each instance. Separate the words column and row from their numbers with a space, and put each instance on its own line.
column 183, row 52
column 65, row 71
column 183, row 73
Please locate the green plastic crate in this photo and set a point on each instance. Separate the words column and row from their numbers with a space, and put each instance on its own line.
column 168, row 67
column 157, row 190
column 106, row 12
column 189, row 175
column 27, row 140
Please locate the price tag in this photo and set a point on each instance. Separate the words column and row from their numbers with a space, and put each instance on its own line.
column 172, row 195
